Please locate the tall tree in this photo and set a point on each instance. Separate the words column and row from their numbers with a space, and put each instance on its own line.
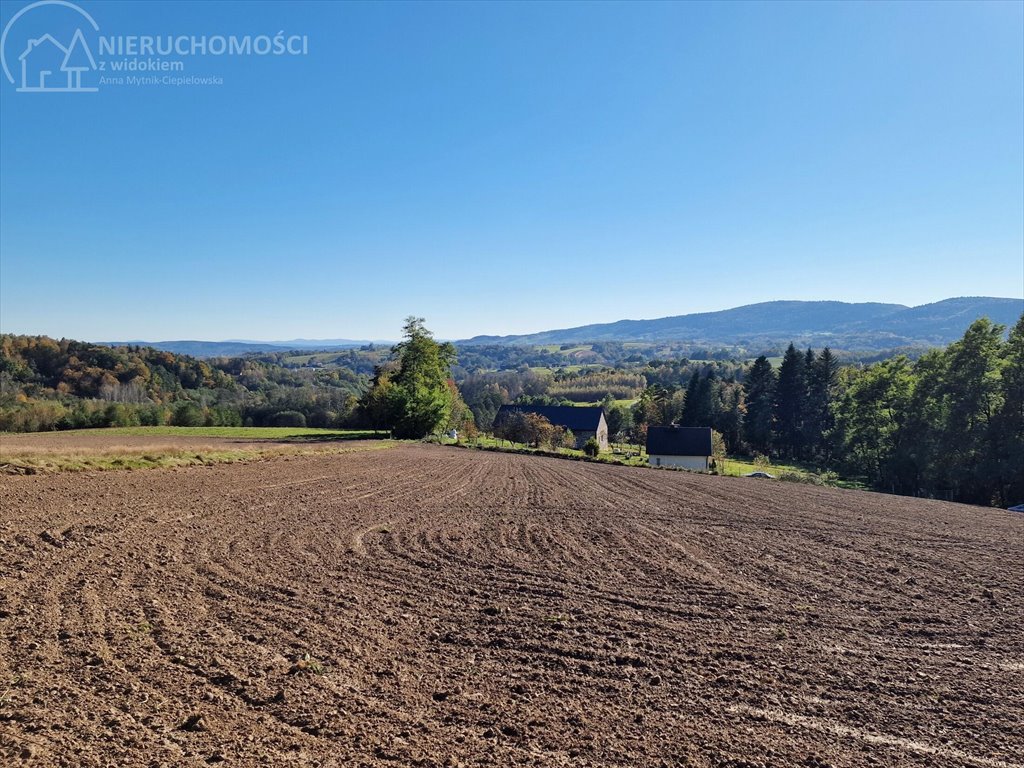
column 822, row 378
column 650, row 405
column 1008, row 427
column 973, row 395
column 727, row 418
column 759, row 392
column 870, row 417
column 912, row 465
column 699, row 404
column 410, row 395
column 688, row 416
column 790, row 399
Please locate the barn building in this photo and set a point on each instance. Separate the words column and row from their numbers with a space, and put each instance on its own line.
column 584, row 422
column 686, row 447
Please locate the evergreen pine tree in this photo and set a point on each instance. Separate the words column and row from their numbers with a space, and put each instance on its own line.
column 759, row 392
column 690, row 406
column 819, row 422
column 790, row 399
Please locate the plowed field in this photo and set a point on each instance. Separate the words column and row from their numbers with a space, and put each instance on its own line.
column 437, row 607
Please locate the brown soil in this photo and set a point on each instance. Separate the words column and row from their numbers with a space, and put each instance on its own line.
column 437, row 607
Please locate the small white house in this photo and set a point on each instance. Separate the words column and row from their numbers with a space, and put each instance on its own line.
column 686, row 447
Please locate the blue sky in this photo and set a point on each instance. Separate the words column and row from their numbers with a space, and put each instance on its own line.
column 507, row 168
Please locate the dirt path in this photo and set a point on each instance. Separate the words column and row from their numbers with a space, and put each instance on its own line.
column 440, row 607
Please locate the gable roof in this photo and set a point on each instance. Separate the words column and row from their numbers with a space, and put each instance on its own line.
column 679, row 441
column 578, row 419
column 35, row 45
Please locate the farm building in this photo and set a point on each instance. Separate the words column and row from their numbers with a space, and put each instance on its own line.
column 687, row 447
column 583, row 422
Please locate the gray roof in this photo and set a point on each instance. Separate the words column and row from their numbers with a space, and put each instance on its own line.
column 576, row 418
column 679, row 441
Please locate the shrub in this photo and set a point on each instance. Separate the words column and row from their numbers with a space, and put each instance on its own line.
column 591, row 447
column 152, row 416
column 188, row 415
column 223, row 416
column 121, row 415
column 32, row 416
column 321, row 417
column 287, row 419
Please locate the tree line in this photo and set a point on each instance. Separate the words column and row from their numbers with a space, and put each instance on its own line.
column 48, row 384
column 950, row 424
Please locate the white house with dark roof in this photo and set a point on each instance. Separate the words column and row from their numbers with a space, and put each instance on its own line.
column 686, row 447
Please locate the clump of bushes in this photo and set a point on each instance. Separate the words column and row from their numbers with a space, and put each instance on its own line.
column 288, row 419
column 822, row 478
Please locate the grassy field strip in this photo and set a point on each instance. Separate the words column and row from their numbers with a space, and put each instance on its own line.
column 248, row 433
column 49, row 460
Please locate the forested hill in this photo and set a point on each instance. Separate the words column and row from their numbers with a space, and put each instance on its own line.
column 40, row 365
column 867, row 326
column 65, row 384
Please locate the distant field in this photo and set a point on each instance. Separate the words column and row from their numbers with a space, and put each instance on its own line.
column 323, row 357
column 146, row 447
column 574, row 368
column 627, row 403
column 557, row 348
column 249, row 433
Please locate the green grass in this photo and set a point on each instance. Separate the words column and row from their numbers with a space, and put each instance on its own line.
column 264, row 442
column 743, row 466
column 795, row 472
column 156, row 456
column 303, row 434
column 626, row 403
column 615, row 455
column 323, row 357
column 575, row 368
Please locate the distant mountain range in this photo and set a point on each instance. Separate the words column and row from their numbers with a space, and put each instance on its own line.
column 237, row 348
column 862, row 327
column 312, row 343
column 866, row 326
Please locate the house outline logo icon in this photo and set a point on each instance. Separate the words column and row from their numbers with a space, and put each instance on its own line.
column 47, row 65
